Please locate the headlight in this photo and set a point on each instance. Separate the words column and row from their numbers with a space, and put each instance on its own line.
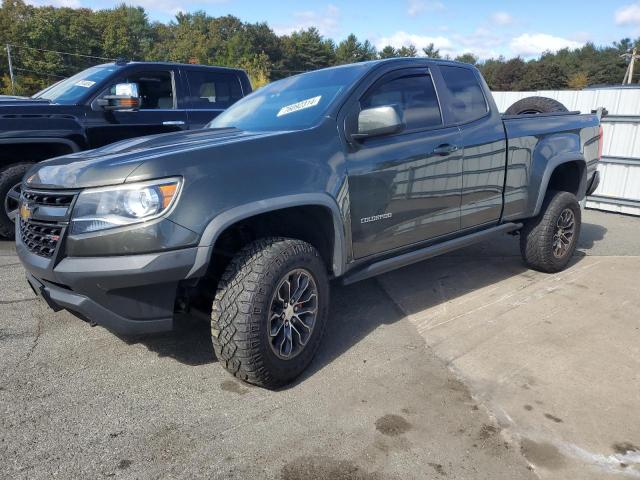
column 109, row 207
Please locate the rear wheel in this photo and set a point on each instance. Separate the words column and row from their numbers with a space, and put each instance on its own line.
column 270, row 311
column 548, row 241
column 10, row 180
column 535, row 105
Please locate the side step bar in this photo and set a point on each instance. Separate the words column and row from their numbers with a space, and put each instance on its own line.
column 405, row 259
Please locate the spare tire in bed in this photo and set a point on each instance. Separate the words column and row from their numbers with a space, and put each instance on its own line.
column 535, row 105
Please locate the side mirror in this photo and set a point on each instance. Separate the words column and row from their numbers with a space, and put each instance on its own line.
column 126, row 98
column 377, row 121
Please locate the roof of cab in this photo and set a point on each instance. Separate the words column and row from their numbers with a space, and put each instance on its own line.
column 123, row 64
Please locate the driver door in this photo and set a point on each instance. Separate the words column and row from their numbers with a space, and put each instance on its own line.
column 160, row 109
column 405, row 187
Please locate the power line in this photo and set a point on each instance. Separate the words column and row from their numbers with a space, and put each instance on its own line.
column 38, row 73
column 63, row 53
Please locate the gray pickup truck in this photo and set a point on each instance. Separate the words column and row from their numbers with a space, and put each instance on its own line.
column 342, row 173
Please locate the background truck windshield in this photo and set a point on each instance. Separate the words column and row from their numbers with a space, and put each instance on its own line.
column 291, row 104
column 71, row 90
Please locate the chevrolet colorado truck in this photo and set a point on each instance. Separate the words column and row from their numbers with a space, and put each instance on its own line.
column 104, row 104
column 342, row 173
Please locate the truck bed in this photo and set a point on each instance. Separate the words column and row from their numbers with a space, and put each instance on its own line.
column 535, row 142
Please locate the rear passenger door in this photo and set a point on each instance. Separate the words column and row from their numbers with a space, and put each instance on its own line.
column 404, row 188
column 210, row 92
column 483, row 141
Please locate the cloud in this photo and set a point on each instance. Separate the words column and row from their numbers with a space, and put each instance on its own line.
column 416, row 7
column 501, row 18
column 534, row 44
column 327, row 22
column 628, row 15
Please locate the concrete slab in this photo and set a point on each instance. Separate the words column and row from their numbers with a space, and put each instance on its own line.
column 555, row 357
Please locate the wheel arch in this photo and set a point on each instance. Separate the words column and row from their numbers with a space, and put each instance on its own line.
column 58, row 146
column 557, row 176
column 235, row 216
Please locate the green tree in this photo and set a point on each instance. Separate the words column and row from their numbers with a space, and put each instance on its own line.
column 431, row 51
column 306, row 50
column 542, row 75
column 126, row 32
column 509, row 74
column 351, row 50
column 409, row 51
column 467, row 58
column 388, row 52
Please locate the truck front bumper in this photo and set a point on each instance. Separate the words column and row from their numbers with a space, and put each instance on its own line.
column 132, row 294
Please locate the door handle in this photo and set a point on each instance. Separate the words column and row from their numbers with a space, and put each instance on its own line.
column 173, row 122
column 445, row 149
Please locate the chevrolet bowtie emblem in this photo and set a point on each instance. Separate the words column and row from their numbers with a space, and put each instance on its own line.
column 25, row 211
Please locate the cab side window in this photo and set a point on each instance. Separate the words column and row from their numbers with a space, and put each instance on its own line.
column 212, row 90
column 155, row 89
column 467, row 100
column 414, row 97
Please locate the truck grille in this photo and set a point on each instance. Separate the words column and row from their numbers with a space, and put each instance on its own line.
column 41, row 239
column 42, row 231
column 48, row 198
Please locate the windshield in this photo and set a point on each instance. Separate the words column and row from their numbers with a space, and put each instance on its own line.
column 72, row 89
column 294, row 103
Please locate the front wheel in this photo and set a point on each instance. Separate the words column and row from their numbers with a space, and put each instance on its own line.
column 270, row 311
column 10, row 180
column 548, row 241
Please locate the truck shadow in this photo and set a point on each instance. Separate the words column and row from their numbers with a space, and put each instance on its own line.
column 358, row 309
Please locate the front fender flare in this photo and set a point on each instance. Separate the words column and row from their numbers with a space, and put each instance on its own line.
column 229, row 217
column 73, row 146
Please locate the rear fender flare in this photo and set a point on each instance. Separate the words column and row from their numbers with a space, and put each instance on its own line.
column 549, row 168
column 229, row 217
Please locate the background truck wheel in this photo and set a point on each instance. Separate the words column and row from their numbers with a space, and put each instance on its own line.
column 270, row 311
column 535, row 105
column 10, row 179
column 548, row 241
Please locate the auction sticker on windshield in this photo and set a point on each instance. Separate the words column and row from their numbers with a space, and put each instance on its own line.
column 85, row 83
column 295, row 107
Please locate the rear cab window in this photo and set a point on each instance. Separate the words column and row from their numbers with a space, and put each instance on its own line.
column 211, row 90
column 467, row 100
column 413, row 96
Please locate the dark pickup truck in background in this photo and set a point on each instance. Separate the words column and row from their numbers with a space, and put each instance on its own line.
column 104, row 104
column 340, row 173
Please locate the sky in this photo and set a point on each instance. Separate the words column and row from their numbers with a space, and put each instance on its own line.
column 487, row 28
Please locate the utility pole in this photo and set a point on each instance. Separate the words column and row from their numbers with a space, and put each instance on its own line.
column 13, row 80
column 631, row 58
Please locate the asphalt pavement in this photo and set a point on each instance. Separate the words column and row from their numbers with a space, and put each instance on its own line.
column 401, row 388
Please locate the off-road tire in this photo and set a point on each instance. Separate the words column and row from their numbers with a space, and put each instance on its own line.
column 9, row 177
column 537, row 235
column 242, row 305
column 535, row 105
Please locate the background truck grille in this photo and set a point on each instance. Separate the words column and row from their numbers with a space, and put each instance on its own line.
column 42, row 232
column 41, row 239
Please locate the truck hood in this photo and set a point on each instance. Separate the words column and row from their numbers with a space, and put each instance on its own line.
column 112, row 164
column 9, row 100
